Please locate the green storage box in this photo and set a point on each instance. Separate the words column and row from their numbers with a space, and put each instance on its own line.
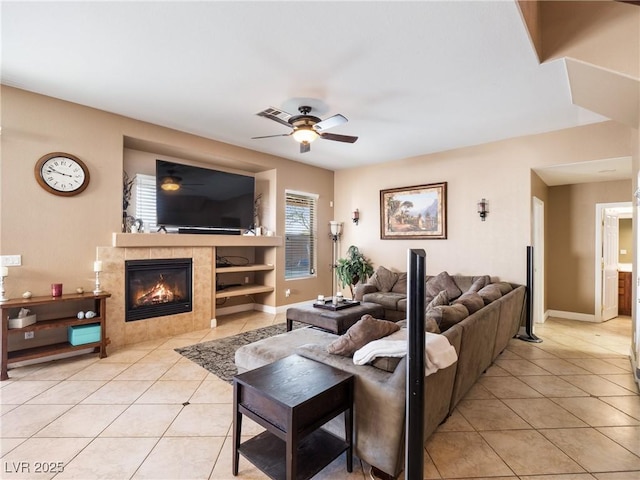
column 81, row 334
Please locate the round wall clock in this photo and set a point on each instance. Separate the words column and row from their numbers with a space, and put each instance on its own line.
column 62, row 174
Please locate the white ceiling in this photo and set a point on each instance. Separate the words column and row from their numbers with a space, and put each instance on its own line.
column 412, row 77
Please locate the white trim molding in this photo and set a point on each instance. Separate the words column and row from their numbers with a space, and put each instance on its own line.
column 583, row 317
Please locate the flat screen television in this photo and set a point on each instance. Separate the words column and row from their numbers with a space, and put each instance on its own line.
column 202, row 198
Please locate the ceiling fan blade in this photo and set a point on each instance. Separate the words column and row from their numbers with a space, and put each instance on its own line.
column 305, row 147
column 276, row 115
column 330, row 122
column 270, row 136
column 338, row 138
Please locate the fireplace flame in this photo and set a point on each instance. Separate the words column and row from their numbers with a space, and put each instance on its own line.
column 159, row 293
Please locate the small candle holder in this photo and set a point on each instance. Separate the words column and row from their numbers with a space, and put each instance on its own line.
column 98, row 289
column 97, row 267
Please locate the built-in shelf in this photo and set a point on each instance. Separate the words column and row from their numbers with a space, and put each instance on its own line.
column 248, row 289
column 244, row 268
column 141, row 240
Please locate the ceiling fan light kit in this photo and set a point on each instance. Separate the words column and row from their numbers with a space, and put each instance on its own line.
column 306, row 127
column 305, row 134
column 170, row 184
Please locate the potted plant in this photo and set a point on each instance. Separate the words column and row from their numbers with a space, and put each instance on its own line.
column 353, row 269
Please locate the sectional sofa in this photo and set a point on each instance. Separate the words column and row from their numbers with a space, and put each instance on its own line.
column 478, row 327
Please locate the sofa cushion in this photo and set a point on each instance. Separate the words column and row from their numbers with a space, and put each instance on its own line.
column 490, row 293
column 388, row 300
column 430, row 324
column 388, row 364
column 479, row 282
column 505, row 287
column 472, row 300
column 446, row 316
column 442, row 281
column 384, row 279
column 401, row 284
column 402, row 304
column 362, row 332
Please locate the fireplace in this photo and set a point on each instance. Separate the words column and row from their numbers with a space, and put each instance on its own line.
column 154, row 288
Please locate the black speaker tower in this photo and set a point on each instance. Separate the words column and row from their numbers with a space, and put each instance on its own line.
column 415, row 401
column 528, row 335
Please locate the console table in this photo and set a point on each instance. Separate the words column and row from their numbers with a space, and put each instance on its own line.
column 97, row 303
column 292, row 398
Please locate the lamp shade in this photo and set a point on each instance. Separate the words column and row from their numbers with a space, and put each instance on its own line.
column 336, row 227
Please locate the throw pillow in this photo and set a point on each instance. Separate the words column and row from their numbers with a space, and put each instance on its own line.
column 401, row 284
column 479, row 283
column 472, row 300
column 490, row 293
column 441, row 298
column 359, row 334
column 442, row 281
column 446, row 316
column 385, row 279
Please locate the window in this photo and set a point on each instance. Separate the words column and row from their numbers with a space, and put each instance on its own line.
column 143, row 200
column 300, row 234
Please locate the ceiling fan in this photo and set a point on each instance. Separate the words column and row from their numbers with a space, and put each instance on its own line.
column 306, row 127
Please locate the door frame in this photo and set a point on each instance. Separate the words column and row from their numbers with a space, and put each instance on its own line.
column 599, row 245
column 538, row 314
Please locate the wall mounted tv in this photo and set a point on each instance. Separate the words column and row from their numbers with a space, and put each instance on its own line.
column 203, row 200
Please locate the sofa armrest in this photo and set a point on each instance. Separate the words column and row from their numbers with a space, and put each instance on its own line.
column 362, row 289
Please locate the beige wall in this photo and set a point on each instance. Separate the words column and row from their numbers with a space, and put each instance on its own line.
column 499, row 172
column 571, row 245
column 57, row 237
column 626, row 240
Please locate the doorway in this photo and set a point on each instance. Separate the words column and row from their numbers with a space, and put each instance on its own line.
column 607, row 258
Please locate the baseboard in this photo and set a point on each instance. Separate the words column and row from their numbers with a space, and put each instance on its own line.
column 582, row 317
column 245, row 307
column 283, row 308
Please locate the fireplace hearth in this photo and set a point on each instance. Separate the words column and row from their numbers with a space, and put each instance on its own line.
column 158, row 287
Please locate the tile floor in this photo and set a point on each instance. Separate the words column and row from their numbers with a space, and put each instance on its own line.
column 564, row 409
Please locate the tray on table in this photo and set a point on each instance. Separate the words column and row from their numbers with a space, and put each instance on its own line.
column 328, row 304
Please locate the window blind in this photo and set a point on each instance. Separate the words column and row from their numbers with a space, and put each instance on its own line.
column 300, row 234
column 143, row 200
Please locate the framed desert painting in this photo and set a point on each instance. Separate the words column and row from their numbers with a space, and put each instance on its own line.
column 414, row 212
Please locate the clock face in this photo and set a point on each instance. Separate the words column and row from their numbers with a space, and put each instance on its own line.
column 62, row 174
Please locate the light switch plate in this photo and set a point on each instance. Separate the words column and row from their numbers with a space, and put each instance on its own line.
column 11, row 260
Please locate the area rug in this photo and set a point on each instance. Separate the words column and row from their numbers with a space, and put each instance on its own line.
column 217, row 356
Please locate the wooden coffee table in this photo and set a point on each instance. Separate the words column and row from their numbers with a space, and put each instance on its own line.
column 337, row 321
column 292, row 398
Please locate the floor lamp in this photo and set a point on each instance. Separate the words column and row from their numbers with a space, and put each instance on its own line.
column 336, row 231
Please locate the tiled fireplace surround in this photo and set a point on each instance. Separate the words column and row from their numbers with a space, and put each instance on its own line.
column 123, row 333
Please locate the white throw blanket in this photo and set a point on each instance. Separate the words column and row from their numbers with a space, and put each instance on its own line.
column 438, row 351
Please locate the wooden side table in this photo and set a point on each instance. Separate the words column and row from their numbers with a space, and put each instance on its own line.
column 292, row 398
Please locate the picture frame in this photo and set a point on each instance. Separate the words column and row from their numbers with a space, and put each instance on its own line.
column 416, row 212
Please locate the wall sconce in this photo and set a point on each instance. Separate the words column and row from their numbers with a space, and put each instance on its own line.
column 336, row 230
column 482, row 209
column 356, row 216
